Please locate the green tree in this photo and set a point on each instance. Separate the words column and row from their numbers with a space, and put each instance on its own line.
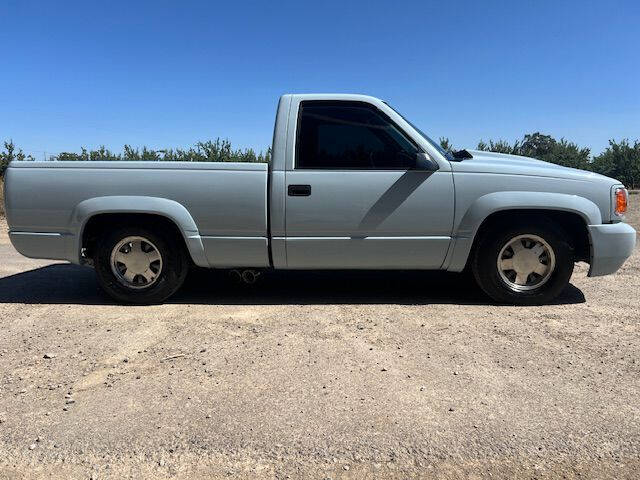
column 620, row 160
column 446, row 144
column 542, row 147
column 68, row 157
column 563, row 152
column 10, row 154
column 500, row 146
column 206, row 151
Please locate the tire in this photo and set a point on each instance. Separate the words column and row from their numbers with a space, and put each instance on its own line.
column 165, row 259
column 496, row 252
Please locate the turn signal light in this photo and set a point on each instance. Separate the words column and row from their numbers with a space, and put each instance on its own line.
column 621, row 201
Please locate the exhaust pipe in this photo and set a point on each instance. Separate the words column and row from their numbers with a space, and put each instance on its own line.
column 250, row 276
column 236, row 276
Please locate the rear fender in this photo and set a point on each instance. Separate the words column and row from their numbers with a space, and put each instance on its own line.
column 170, row 209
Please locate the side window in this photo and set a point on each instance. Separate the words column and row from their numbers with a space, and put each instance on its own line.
column 350, row 135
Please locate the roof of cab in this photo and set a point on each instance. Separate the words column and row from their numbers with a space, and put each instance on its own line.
column 333, row 96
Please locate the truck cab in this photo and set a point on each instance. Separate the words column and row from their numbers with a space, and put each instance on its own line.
column 354, row 185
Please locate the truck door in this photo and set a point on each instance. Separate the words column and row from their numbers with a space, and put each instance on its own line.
column 356, row 198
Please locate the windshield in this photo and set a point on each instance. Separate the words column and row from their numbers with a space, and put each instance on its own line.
column 432, row 142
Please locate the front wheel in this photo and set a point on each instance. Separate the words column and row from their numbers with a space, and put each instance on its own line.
column 523, row 264
column 139, row 265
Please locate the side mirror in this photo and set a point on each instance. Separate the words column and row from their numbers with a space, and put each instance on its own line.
column 425, row 163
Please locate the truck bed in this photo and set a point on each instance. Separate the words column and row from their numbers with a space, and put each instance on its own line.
column 227, row 202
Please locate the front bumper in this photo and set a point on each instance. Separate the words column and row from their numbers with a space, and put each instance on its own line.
column 611, row 245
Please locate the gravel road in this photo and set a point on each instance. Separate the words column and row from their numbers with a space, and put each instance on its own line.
column 317, row 375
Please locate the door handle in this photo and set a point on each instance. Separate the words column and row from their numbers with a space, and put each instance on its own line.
column 299, row 190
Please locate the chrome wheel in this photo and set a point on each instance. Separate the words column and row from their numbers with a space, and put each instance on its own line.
column 526, row 262
column 136, row 262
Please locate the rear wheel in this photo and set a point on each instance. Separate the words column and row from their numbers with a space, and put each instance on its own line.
column 523, row 264
column 139, row 265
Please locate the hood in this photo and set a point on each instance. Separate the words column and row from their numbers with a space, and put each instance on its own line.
column 501, row 163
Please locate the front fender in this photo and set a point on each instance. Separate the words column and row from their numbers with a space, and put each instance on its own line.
column 170, row 209
column 491, row 203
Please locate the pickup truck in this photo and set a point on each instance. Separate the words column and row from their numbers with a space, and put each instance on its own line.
column 351, row 185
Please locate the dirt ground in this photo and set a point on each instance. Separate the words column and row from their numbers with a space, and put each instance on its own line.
column 317, row 375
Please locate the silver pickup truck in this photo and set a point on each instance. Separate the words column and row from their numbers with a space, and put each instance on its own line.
column 351, row 185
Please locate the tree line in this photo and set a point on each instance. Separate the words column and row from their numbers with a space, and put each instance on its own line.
column 620, row 160
column 210, row 151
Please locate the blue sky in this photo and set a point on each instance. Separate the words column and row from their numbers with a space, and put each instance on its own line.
column 166, row 74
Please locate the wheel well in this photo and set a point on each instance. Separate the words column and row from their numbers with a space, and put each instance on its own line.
column 572, row 224
column 99, row 224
